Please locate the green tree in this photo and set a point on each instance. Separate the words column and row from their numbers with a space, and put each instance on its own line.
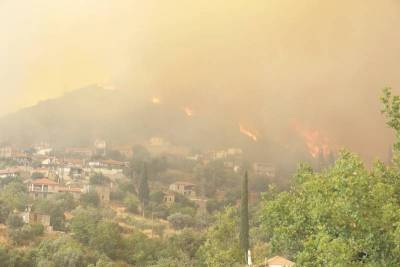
column 83, row 224
column 25, row 234
column 98, row 178
column 107, row 239
column 391, row 111
column 221, row 247
column 143, row 193
column 14, row 221
column 62, row 252
column 188, row 242
column 345, row 215
column 131, row 203
column 180, row 221
column 90, row 199
column 244, row 217
column 4, row 211
column 14, row 195
column 178, row 260
column 141, row 250
column 157, row 197
column 55, row 208
column 4, row 256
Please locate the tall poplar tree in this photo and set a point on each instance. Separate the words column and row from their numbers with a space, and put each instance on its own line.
column 244, row 217
column 143, row 193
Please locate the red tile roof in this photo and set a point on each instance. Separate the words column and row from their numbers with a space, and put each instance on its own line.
column 277, row 260
column 9, row 171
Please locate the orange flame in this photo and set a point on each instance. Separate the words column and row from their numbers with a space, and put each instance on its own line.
column 316, row 142
column 248, row 133
column 188, row 111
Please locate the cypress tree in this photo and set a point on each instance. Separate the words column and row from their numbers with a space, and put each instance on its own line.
column 143, row 193
column 244, row 217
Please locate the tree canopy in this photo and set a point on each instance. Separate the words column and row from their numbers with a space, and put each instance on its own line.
column 346, row 215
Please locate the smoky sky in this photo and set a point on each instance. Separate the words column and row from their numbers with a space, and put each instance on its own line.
column 268, row 64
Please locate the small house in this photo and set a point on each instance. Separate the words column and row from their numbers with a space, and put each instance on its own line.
column 41, row 188
column 169, row 198
column 184, row 188
column 278, row 261
column 30, row 217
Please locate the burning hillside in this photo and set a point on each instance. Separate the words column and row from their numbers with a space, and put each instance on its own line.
column 316, row 142
column 249, row 133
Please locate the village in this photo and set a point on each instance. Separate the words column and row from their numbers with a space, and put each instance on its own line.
column 185, row 188
column 47, row 171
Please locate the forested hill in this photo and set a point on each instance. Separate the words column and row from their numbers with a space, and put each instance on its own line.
column 80, row 116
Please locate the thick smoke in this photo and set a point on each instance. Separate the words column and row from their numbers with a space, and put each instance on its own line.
column 268, row 65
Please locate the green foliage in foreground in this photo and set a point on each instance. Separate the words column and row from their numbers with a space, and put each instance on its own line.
column 344, row 216
column 222, row 246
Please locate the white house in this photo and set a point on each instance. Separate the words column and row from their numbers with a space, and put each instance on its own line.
column 184, row 188
column 44, row 151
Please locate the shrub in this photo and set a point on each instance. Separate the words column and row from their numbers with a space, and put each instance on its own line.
column 179, row 208
column 131, row 203
column 157, row 197
column 90, row 199
column 117, row 195
column 14, row 221
column 26, row 233
column 180, row 221
column 4, row 212
column 98, row 179
column 37, row 229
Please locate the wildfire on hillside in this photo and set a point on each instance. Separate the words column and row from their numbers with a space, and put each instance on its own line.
column 317, row 143
column 248, row 132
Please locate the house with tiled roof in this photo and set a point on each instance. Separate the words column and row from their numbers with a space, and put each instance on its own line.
column 42, row 188
column 169, row 197
column 30, row 217
column 277, row 261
